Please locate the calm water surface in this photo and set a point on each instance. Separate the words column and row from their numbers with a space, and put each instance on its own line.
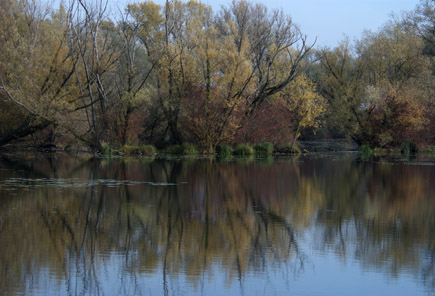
column 326, row 225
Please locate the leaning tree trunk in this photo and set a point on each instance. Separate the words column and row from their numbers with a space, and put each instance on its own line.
column 26, row 129
column 31, row 123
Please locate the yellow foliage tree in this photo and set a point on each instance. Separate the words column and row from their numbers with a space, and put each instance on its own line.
column 302, row 100
column 36, row 68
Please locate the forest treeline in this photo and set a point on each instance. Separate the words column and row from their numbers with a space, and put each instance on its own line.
column 81, row 76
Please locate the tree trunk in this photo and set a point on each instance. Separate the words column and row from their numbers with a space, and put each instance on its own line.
column 31, row 127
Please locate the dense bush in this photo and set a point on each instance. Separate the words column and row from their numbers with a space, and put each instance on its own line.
column 224, row 151
column 366, row 151
column 243, row 150
column 189, row 149
column 184, row 149
column 106, row 149
column 263, row 149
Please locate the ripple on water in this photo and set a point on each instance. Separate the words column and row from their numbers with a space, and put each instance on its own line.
column 11, row 184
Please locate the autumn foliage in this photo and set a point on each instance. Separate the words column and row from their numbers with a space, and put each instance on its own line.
column 181, row 72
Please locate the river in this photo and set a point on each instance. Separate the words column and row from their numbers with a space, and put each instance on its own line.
column 329, row 224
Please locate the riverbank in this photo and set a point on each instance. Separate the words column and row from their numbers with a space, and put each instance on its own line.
column 262, row 150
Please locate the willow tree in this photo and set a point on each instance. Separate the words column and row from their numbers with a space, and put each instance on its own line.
column 131, row 76
column 276, row 48
column 36, row 69
column 306, row 105
column 219, row 69
column 226, row 65
column 340, row 82
column 164, row 32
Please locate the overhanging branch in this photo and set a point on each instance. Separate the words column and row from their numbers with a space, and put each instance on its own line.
column 11, row 98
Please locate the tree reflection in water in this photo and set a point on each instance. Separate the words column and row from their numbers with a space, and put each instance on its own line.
column 91, row 226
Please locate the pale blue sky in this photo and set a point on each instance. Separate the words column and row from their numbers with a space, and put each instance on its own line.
column 329, row 20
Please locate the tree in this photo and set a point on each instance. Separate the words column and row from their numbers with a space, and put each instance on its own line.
column 36, row 69
column 339, row 79
column 275, row 45
column 212, row 105
column 302, row 100
column 394, row 68
column 423, row 21
column 90, row 39
column 162, row 32
column 128, row 81
column 372, row 84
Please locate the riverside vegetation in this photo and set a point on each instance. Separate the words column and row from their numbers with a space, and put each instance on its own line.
column 187, row 149
column 183, row 78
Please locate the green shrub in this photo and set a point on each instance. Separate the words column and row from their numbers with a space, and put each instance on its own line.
column 129, row 150
column 146, row 150
column 224, row 151
column 366, row 151
column 184, row 149
column 263, row 149
column 106, row 149
column 409, row 148
column 243, row 150
column 189, row 149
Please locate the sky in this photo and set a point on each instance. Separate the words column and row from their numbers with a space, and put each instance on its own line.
column 329, row 20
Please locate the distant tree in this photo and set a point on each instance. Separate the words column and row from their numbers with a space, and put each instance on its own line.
column 373, row 88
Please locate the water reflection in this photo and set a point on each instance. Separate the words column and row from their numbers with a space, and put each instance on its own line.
column 125, row 226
